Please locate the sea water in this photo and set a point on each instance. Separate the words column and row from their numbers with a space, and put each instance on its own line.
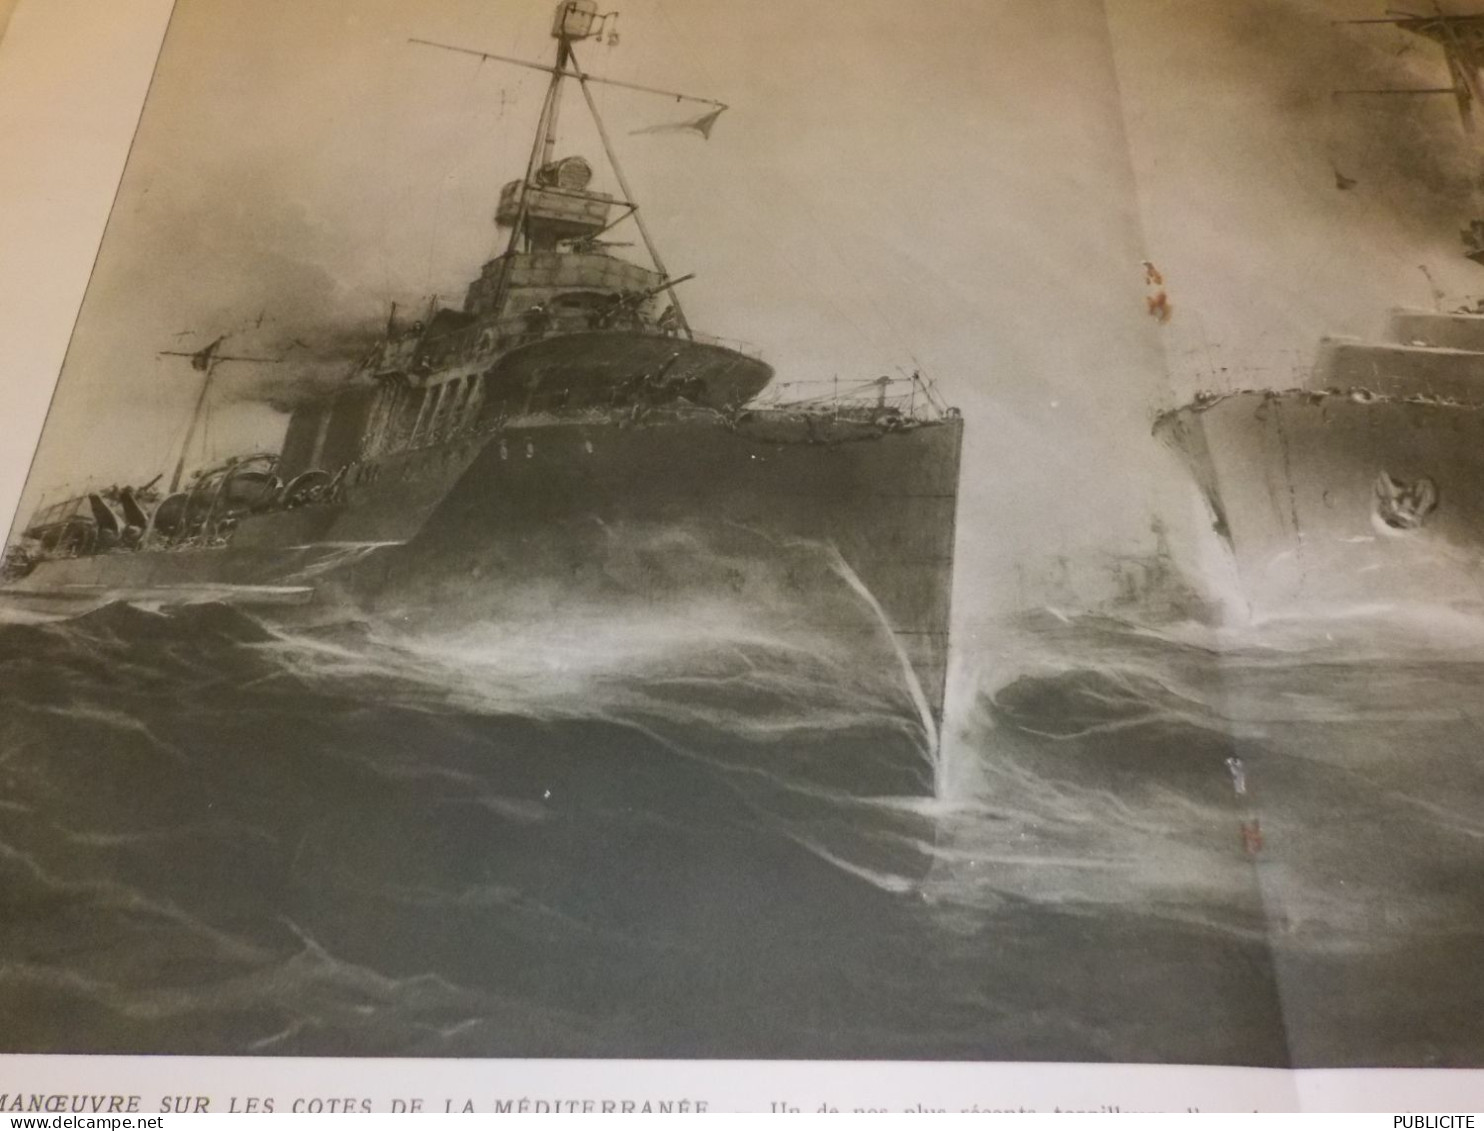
column 595, row 835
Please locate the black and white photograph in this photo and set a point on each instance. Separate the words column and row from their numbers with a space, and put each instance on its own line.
column 796, row 530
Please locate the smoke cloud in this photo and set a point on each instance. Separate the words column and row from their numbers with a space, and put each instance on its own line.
column 259, row 273
column 315, row 361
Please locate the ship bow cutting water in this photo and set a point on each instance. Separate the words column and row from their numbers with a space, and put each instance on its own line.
column 1365, row 482
column 565, row 431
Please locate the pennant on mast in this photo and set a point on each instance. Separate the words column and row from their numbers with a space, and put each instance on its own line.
column 702, row 125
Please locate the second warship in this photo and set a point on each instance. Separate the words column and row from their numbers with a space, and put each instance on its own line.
column 1365, row 481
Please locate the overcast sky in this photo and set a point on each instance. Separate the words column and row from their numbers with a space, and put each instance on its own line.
column 968, row 186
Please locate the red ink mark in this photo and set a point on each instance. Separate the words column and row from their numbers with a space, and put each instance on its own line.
column 1159, row 302
column 1252, row 837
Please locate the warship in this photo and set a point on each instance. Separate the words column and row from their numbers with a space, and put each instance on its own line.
column 558, row 432
column 1362, row 483
column 1365, row 481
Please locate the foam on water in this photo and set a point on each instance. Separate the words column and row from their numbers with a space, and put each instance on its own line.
column 359, row 836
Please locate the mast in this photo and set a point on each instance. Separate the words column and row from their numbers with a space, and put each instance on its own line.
column 554, row 102
column 203, row 361
column 574, row 20
column 196, row 416
column 623, row 184
column 1462, row 39
column 543, row 148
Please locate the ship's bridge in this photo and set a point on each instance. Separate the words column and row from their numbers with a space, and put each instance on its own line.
column 564, row 278
column 543, row 278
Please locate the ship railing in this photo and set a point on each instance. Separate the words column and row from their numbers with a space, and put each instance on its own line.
column 737, row 345
column 910, row 397
column 73, row 500
column 468, row 342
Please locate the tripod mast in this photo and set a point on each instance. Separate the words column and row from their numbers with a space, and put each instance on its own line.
column 203, row 361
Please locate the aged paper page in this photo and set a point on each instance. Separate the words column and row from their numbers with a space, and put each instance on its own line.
column 760, row 659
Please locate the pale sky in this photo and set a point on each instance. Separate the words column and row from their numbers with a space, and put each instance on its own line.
column 968, row 186
column 1237, row 137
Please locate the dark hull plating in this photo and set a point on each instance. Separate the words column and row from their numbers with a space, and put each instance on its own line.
column 851, row 538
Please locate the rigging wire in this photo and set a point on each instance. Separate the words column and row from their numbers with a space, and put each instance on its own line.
column 893, row 338
column 204, row 448
column 166, row 407
column 528, row 41
column 1390, row 199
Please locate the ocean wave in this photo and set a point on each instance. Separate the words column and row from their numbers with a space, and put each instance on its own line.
column 356, row 837
column 1275, row 779
column 284, row 1003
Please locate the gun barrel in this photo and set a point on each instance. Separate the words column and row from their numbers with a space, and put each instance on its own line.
column 667, row 284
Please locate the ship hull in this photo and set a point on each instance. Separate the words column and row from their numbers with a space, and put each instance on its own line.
column 846, row 538
column 1298, row 487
